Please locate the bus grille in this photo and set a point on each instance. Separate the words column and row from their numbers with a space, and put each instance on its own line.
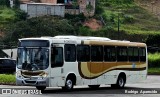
column 31, row 82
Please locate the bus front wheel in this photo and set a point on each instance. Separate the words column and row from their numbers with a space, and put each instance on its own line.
column 68, row 85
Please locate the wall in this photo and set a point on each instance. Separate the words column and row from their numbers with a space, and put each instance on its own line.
column 35, row 10
column 72, row 11
column 49, row 1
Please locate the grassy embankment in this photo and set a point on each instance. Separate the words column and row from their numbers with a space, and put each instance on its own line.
column 6, row 14
column 154, row 63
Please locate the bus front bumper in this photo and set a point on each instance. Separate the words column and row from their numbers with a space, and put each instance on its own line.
column 32, row 82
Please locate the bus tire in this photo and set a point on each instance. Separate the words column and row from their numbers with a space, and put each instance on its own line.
column 68, row 85
column 42, row 88
column 93, row 86
column 120, row 82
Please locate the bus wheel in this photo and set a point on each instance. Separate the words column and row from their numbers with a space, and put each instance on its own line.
column 120, row 82
column 68, row 85
column 41, row 87
column 93, row 86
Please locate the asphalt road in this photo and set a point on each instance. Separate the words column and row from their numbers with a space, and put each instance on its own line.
column 147, row 88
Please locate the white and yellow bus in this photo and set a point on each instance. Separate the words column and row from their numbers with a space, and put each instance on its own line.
column 67, row 61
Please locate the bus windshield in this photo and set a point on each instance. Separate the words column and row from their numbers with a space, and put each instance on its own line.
column 33, row 58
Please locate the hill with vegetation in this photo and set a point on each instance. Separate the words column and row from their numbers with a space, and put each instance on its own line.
column 135, row 23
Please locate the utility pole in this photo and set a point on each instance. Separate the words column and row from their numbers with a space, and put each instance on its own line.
column 118, row 22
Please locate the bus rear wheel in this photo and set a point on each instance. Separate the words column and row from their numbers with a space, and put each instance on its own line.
column 120, row 82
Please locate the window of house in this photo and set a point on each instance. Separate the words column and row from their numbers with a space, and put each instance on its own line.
column 60, row 1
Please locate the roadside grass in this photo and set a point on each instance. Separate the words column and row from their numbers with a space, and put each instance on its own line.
column 154, row 71
column 7, row 79
column 154, row 60
column 6, row 15
column 154, row 63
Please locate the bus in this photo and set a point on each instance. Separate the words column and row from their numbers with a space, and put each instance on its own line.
column 68, row 61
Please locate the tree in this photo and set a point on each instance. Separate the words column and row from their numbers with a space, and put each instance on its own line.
column 17, row 3
column 5, row 3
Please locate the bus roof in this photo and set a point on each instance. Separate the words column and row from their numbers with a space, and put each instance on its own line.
column 90, row 40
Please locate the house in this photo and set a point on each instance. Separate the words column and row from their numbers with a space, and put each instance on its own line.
column 83, row 7
column 87, row 7
column 42, row 9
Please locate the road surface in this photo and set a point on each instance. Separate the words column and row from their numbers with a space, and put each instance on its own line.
column 147, row 88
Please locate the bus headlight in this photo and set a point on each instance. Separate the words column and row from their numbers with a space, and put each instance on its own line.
column 18, row 74
column 44, row 75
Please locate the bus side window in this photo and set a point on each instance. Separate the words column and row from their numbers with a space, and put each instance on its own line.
column 83, row 53
column 110, row 53
column 70, row 53
column 133, row 54
column 96, row 53
column 122, row 54
column 57, row 57
column 142, row 54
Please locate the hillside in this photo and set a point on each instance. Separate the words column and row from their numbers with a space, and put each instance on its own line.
column 152, row 6
column 134, row 20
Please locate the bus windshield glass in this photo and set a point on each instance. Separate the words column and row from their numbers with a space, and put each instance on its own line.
column 33, row 58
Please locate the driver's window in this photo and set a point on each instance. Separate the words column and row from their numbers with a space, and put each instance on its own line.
column 56, row 57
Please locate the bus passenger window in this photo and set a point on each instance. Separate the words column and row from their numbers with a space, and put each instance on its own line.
column 142, row 54
column 110, row 53
column 56, row 57
column 122, row 54
column 133, row 54
column 70, row 53
column 83, row 53
column 130, row 53
column 97, row 53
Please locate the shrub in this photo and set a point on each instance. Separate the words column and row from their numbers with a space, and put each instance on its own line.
column 128, row 19
column 5, row 3
column 39, row 26
column 154, row 60
column 20, row 15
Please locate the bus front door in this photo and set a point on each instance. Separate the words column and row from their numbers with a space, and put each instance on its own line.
column 56, row 66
